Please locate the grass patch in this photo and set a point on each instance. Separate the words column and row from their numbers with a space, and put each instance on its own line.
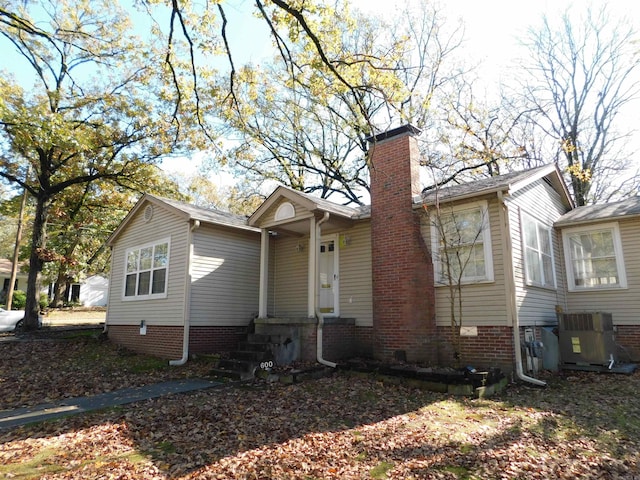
column 381, row 470
column 42, row 463
column 48, row 462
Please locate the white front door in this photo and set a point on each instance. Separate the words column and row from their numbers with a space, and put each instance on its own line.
column 328, row 281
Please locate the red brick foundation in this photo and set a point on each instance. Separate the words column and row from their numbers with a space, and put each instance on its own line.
column 215, row 339
column 163, row 342
column 166, row 342
column 628, row 340
column 346, row 341
column 493, row 347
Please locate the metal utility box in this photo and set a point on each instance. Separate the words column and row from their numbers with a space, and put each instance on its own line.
column 586, row 339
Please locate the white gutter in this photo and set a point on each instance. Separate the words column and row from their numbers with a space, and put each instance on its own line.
column 319, row 314
column 511, row 292
column 187, row 299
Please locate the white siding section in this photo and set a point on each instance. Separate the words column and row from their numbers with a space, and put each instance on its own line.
column 623, row 304
column 356, row 299
column 225, row 273
column 165, row 311
column 484, row 304
column 536, row 305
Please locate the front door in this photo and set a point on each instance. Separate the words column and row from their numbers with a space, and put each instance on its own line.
column 328, row 281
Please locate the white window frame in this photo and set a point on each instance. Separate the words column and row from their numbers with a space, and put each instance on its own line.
column 539, row 253
column 613, row 228
column 484, row 238
column 151, row 269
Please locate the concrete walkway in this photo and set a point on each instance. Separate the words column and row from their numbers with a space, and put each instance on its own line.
column 71, row 406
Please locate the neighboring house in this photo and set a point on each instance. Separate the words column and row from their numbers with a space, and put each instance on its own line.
column 337, row 281
column 183, row 279
column 5, row 278
column 91, row 292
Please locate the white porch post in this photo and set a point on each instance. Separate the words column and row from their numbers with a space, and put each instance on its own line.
column 312, row 277
column 264, row 274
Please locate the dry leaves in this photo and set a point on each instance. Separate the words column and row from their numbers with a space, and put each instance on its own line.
column 342, row 427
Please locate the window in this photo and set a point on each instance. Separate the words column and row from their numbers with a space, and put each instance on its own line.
column 461, row 242
column 146, row 271
column 594, row 257
column 538, row 253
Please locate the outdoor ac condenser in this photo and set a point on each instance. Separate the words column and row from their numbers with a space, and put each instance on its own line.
column 586, row 339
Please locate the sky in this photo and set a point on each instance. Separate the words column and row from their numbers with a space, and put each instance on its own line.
column 492, row 28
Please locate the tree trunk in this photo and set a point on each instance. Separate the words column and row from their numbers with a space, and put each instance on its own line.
column 60, row 289
column 38, row 242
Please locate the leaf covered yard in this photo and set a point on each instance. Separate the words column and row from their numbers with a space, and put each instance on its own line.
column 583, row 425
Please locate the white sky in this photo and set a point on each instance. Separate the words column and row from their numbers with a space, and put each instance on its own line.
column 491, row 30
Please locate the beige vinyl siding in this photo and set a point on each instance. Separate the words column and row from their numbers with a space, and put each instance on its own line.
column 225, row 276
column 289, row 277
column 484, row 304
column 356, row 299
column 536, row 305
column 623, row 304
column 164, row 311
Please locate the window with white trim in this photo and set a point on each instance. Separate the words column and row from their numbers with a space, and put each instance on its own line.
column 461, row 244
column 538, row 253
column 594, row 257
column 146, row 271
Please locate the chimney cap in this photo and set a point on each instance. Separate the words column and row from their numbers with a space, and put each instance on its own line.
column 394, row 132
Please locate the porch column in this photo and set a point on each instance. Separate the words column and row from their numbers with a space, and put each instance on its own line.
column 312, row 277
column 264, row 274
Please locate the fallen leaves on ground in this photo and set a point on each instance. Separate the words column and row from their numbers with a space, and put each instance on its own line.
column 583, row 425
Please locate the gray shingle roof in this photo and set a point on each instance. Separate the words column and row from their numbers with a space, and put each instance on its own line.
column 205, row 214
column 329, row 206
column 482, row 186
column 605, row 211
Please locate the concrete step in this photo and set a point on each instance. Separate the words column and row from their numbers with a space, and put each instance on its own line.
column 261, row 338
column 254, row 347
column 254, row 356
column 237, row 364
column 232, row 374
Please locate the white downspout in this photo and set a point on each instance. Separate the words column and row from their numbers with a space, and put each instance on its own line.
column 511, row 292
column 319, row 314
column 187, row 299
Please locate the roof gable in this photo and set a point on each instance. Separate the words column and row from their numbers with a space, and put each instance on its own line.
column 308, row 203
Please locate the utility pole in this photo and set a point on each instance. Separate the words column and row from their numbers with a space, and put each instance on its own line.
column 16, row 249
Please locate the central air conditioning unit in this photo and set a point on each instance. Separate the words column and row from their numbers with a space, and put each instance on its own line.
column 586, row 340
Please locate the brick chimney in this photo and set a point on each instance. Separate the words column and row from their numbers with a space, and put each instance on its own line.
column 403, row 287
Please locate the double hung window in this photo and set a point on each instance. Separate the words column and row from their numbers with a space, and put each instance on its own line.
column 461, row 242
column 594, row 257
column 538, row 253
column 146, row 271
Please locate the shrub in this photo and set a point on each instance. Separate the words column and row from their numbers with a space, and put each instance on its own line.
column 19, row 300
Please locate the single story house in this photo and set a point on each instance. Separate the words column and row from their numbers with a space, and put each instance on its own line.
column 457, row 274
column 5, row 278
column 90, row 292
